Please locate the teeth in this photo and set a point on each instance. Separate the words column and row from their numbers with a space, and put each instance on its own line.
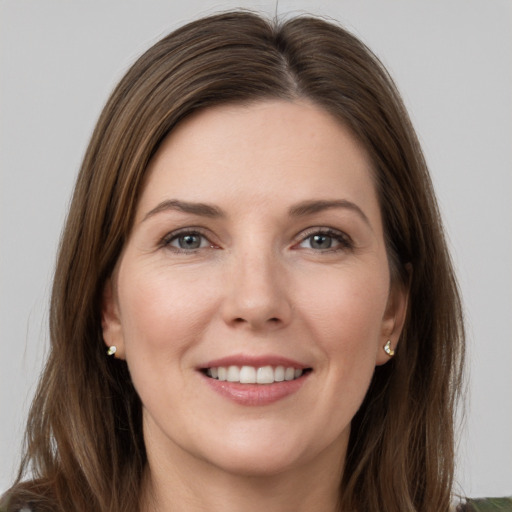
column 252, row 375
column 265, row 375
column 279, row 374
column 233, row 374
column 248, row 375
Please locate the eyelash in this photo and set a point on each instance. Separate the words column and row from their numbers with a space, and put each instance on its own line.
column 175, row 235
column 342, row 239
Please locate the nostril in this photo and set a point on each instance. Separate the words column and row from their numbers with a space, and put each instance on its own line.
column 240, row 320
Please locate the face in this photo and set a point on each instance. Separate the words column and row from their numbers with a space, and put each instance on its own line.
column 253, row 299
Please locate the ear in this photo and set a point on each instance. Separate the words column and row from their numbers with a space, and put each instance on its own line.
column 111, row 321
column 394, row 318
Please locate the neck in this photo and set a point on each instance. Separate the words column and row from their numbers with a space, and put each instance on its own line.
column 194, row 485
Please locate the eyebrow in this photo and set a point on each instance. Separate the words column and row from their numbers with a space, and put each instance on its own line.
column 300, row 210
column 202, row 209
column 312, row 207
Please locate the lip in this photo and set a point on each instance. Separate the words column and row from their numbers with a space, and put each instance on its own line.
column 255, row 394
column 256, row 361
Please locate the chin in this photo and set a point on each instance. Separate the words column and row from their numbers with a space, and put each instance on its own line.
column 257, row 463
column 265, row 454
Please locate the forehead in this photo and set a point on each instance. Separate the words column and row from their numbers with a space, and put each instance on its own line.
column 270, row 152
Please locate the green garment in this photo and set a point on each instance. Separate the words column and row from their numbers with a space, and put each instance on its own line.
column 488, row 505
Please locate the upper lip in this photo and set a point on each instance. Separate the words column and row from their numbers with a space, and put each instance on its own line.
column 255, row 361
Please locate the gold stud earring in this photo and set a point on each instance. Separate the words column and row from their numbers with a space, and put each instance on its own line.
column 111, row 350
column 387, row 348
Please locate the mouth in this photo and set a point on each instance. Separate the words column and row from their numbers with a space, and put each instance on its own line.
column 255, row 380
column 255, row 374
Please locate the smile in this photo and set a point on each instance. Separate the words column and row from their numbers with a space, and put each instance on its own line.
column 254, row 375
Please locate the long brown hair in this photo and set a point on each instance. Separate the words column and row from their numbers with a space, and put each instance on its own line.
column 84, row 445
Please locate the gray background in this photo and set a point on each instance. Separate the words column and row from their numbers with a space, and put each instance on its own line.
column 452, row 60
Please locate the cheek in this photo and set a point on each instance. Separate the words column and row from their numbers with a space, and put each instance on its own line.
column 162, row 312
column 347, row 312
column 344, row 317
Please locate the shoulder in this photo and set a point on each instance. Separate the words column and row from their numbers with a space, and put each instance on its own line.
column 486, row 505
column 7, row 506
column 29, row 496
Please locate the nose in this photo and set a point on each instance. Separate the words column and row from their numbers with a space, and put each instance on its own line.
column 258, row 296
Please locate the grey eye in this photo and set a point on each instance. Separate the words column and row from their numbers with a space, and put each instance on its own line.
column 188, row 241
column 326, row 241
column 320, row 241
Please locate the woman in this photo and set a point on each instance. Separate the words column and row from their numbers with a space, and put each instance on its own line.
column 255, row 241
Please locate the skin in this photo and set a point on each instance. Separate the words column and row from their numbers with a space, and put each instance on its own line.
column 256, row 285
